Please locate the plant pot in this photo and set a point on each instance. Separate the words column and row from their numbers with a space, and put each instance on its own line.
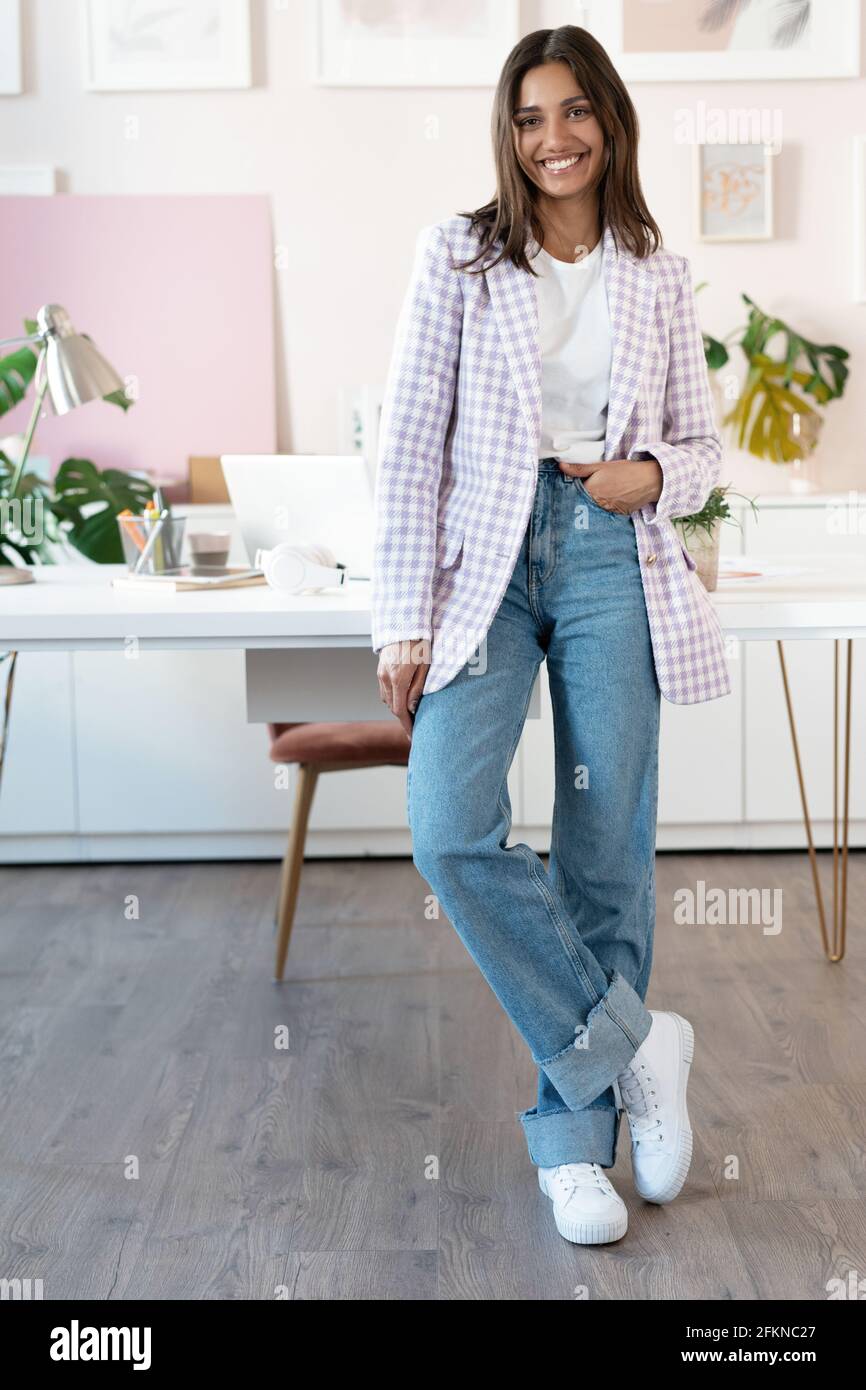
column 703, row 546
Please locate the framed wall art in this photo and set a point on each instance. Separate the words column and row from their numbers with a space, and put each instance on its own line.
column 410, row 43
column 10, row 47
column 146, row 45
column 733, row 192
column 703, row 40
column 860, row 219
column 38, row 179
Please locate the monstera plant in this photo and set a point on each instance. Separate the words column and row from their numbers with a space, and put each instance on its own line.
column 773, row 417
column 39, row 520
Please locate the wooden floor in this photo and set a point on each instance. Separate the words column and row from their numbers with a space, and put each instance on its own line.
column 162, row 1138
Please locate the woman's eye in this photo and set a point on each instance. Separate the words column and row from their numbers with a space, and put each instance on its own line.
column 575, row 111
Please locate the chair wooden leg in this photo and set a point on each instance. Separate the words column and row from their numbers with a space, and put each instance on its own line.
column 293, row 862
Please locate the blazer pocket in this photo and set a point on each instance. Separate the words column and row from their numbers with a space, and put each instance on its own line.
column 449, row 545
column 689, row 558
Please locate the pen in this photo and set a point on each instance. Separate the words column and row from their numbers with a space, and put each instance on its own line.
column 127, row 520
column 151, row 540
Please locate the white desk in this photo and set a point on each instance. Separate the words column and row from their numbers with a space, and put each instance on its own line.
column 73, row 607
column 826, row 600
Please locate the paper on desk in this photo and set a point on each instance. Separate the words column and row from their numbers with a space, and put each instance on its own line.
column 740, row 569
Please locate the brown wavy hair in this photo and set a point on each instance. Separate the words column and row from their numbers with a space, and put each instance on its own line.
column 510, row 216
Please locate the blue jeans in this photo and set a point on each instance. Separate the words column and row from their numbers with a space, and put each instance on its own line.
column 566, row 950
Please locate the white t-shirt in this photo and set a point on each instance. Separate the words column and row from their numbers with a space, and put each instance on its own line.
column 576, row 348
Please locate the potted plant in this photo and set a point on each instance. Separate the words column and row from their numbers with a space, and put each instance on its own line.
column 772, row 416
column 701, row 532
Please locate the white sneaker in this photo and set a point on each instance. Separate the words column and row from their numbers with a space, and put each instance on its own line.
column 653, row 1092
column 586, row 1208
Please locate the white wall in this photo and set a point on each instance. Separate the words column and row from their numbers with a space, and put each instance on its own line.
column 353, row 174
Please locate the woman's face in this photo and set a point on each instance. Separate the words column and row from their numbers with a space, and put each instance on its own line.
column 559, row 142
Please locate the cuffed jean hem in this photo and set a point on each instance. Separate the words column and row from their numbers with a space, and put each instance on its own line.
column 615, row 1028
column 563, row 1136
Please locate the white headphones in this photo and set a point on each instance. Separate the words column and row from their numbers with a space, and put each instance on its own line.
column 293, row 568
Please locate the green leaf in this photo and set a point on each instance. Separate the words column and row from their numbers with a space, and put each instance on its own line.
column 767, row 405
column 118, row 398
column 16, row 373
column 715, row 352
column 822, row 357
column 79, row 484
column 44, row 550
column 715, row 509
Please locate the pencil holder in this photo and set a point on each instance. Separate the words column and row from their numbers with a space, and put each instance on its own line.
column 136, row 533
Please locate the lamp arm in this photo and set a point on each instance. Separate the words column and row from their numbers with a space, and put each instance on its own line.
column 30, row 338
column 31, row 429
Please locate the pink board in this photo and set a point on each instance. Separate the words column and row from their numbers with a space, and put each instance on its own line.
column 177, row 293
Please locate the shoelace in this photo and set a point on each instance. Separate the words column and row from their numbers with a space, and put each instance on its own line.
column 637, row 1089
column 569, row 1177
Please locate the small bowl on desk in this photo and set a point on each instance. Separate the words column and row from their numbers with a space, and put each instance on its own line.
column 209, row 551
column 163, row 555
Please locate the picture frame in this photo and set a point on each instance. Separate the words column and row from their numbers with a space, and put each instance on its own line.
column 10, row 48
column 752, row 41
column 859, row 221
column 453, row 43
column 360, row 416
column 733, row 186
column 144, row 45
column 29, row 179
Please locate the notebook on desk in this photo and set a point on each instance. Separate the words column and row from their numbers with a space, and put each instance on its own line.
column 186, row 578
column 304, row 499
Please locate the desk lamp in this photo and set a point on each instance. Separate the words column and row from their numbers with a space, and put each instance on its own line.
column 72, row 372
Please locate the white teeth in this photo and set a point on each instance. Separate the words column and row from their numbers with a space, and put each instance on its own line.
column 561, row 163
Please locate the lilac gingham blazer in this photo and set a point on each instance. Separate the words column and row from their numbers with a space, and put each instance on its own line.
column 459, row 439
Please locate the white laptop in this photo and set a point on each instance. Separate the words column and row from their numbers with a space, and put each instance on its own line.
column 304, row 499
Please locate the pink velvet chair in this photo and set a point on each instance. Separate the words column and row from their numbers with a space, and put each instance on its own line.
column 323, row 748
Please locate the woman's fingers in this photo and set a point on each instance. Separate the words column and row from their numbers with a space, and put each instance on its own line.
column 402, row 671
column 416, row 687
column 578, row 470
column 400, row 706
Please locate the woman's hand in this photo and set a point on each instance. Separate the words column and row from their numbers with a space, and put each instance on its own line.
column 619, row 485
column 403, row 668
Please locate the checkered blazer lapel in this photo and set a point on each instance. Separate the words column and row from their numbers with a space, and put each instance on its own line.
column 631, row 292
column 514, row 304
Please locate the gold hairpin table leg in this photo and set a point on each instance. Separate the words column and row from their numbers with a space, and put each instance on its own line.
column 840, row 848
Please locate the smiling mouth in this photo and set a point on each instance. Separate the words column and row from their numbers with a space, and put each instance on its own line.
column 561, row 166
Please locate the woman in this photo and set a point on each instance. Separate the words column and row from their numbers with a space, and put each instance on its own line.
column 547, row 412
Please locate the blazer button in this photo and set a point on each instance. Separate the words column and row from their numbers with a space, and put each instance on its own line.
column 651, row 559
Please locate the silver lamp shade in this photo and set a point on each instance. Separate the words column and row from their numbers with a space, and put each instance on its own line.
column 75, row 371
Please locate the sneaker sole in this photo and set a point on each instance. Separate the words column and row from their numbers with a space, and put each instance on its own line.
column 683, row 1157
column 587, row 1232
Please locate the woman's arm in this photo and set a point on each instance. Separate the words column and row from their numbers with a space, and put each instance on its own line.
column 690, row 454
column 416, row 411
